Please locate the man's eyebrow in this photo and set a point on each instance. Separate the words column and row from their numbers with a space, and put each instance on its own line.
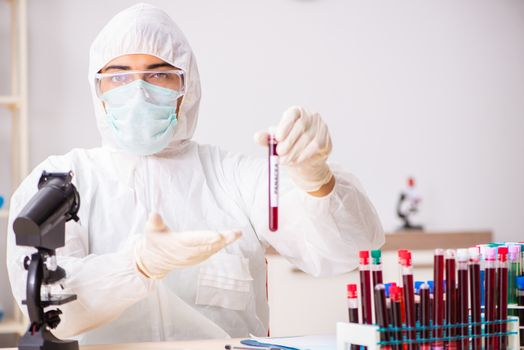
column 159, row 65
column 116, row 67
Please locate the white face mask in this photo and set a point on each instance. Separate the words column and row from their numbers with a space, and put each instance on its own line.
column 140, row 126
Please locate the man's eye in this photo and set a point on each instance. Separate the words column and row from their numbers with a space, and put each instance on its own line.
column 159, row 75
column 118, row 78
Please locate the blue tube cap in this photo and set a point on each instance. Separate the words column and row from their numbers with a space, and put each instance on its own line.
column 520, row 282
column 387, row 285
column 431, row 287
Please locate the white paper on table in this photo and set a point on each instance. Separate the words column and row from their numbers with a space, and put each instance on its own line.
column 307, row 342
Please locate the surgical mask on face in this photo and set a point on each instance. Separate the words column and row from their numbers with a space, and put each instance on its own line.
column 139, row 125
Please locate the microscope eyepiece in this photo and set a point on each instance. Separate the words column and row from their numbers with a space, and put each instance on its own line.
column 39, row 223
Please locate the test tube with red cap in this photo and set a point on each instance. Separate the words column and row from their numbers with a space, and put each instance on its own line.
column 474, row 278
column 400, row 253
column 409, row 297
column 273, row 168
column 502, row 304
column 451, row 297
column 365, row 287
column 463, row 297
column 438, row 298
column 352, row 299
column 490, row 294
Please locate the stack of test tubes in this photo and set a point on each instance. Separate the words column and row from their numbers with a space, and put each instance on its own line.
column 466, row 306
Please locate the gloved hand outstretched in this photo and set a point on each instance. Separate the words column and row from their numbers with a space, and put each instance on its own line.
column 159, row 251
column 304, row 145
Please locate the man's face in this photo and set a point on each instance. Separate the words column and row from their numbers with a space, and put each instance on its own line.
column 138, row 62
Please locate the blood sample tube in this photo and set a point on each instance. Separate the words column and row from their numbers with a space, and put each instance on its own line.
column 502, row 303
column 352, row 300
column 365, row 287
column 474, row 277
column 483, row 253
column 388, row 296
column 396, row 316
column 382, row 313
column 417, row 298
column 431, row 294
column 425, row 303
column 438, row 298
column 520, row 302
column 521, row 259
column 376, row 267
column 490, row 294
column 514, row 270
column 451, row 298
column 409, row 297
column 402, row 303
column 463, row 298
column 401, row 253
column 376, row 271
column 273, row 180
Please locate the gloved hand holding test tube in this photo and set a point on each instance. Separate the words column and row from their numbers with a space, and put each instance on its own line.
column 302, row 143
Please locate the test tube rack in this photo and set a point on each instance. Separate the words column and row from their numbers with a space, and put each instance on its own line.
column 518, row 310
column 369, row 335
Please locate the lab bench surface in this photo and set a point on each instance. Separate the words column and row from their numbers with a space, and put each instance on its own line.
column 428, row 240
column 214, row 344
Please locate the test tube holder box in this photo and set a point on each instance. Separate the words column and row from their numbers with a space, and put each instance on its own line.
column 357, row 334
column 518, row 310
column 369, row 335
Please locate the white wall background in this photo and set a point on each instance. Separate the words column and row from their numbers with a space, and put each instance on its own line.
column 433, row 89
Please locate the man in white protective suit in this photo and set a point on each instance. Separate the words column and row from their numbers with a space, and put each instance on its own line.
column 171, row 238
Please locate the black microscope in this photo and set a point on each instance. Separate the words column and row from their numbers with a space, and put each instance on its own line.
column 41, row 224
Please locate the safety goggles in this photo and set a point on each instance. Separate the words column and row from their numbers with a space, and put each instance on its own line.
column 168, row 79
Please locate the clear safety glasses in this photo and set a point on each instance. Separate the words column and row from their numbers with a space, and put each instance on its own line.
column 169, row 79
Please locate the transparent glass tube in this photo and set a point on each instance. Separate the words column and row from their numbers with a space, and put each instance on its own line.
column 273, row 180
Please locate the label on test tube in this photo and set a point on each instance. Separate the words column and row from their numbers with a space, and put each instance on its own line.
column 273, row 181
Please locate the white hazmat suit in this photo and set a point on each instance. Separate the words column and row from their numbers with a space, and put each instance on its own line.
column 193, row 187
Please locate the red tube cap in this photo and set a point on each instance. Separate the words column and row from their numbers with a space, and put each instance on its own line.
column 503, row 253
column 404, row 257
column 364, row 257
column 352, row 291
